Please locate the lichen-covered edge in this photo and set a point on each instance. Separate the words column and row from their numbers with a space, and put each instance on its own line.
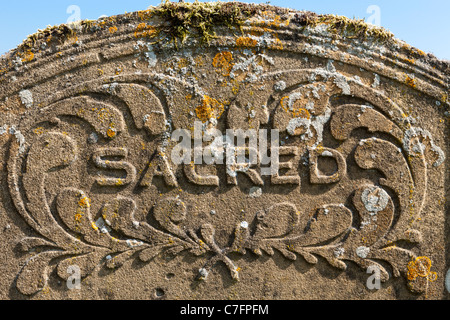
column 179, row 20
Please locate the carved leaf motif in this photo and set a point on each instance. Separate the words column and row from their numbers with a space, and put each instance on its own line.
column 376, row 211
column 33, row 276
column 86, row 263
column 390, row 161
column 104, row 118
column 277, row 221
column 118, row 260
column 26, row 244
column 329, row 222
column 145, row 107
column 349, row 117
column 50, row 151
column 170, row 212
column 73, row 208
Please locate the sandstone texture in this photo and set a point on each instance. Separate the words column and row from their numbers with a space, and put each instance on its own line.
column 89, row 187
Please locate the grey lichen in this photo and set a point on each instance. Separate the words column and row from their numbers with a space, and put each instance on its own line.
column 27, row 98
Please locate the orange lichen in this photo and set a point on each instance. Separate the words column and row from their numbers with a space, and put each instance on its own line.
column 246, row 42
column 111, row 133
column 223, row 63
column 84, row 202
column 210, row 108
column 27, row 56
column 297, row 110
column 78, row 217
column 143, row 30
column 274, row 20
column 410, row 81
column 39, row 130
column 113, row 29
column 145, row 14
column 236, row 86
column 421, row 267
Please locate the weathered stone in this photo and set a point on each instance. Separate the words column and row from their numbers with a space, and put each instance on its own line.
column 88, row 184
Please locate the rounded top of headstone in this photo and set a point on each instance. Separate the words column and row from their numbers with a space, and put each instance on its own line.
column 204, row 24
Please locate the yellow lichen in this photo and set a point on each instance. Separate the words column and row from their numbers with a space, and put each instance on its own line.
column 27, row 56
column 210, row 108
column 84, row 202
column 410, row 82
column 246, row 42
column 421, row 267
column 223, row 63
column 143, row 30
column 296, row 110
column 111, row 132
column 145, row 14
column 113, row 29
column 39, row 130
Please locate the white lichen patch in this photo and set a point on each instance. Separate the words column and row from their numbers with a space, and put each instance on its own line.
column 341, row 82
column 19, row 137
column 418, row 147
column 149, row 54
column 375, row 199
column 447, row 281
column 251, row 66
column 102, row 225
column 339, row 252
column 255, row 192
column 244, row 224
column 93, row 138
column 110, row 88
column 27, row 98
column 330, row 73
column 376, row 81
column 362, row 252
column 279, row 86
column 315, row 122
column 203, row 274
column 132, row 243
column 3, row 129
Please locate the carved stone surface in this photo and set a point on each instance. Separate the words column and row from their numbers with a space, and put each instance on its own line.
column 87, row 112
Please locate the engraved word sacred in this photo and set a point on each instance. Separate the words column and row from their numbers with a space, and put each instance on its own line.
column 241, row 151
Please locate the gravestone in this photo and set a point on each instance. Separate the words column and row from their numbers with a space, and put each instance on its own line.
column 93, row 205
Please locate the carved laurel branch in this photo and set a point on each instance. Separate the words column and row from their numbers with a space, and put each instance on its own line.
column 274, row 229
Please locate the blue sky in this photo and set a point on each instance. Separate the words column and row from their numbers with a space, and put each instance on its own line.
column 422, row 24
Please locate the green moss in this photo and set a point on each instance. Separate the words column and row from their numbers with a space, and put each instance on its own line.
column 191, row 19
column 346, row 27
column 61, row 32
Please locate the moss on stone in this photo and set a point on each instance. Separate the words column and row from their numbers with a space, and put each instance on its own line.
column 187, row 19
column 345, row 27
